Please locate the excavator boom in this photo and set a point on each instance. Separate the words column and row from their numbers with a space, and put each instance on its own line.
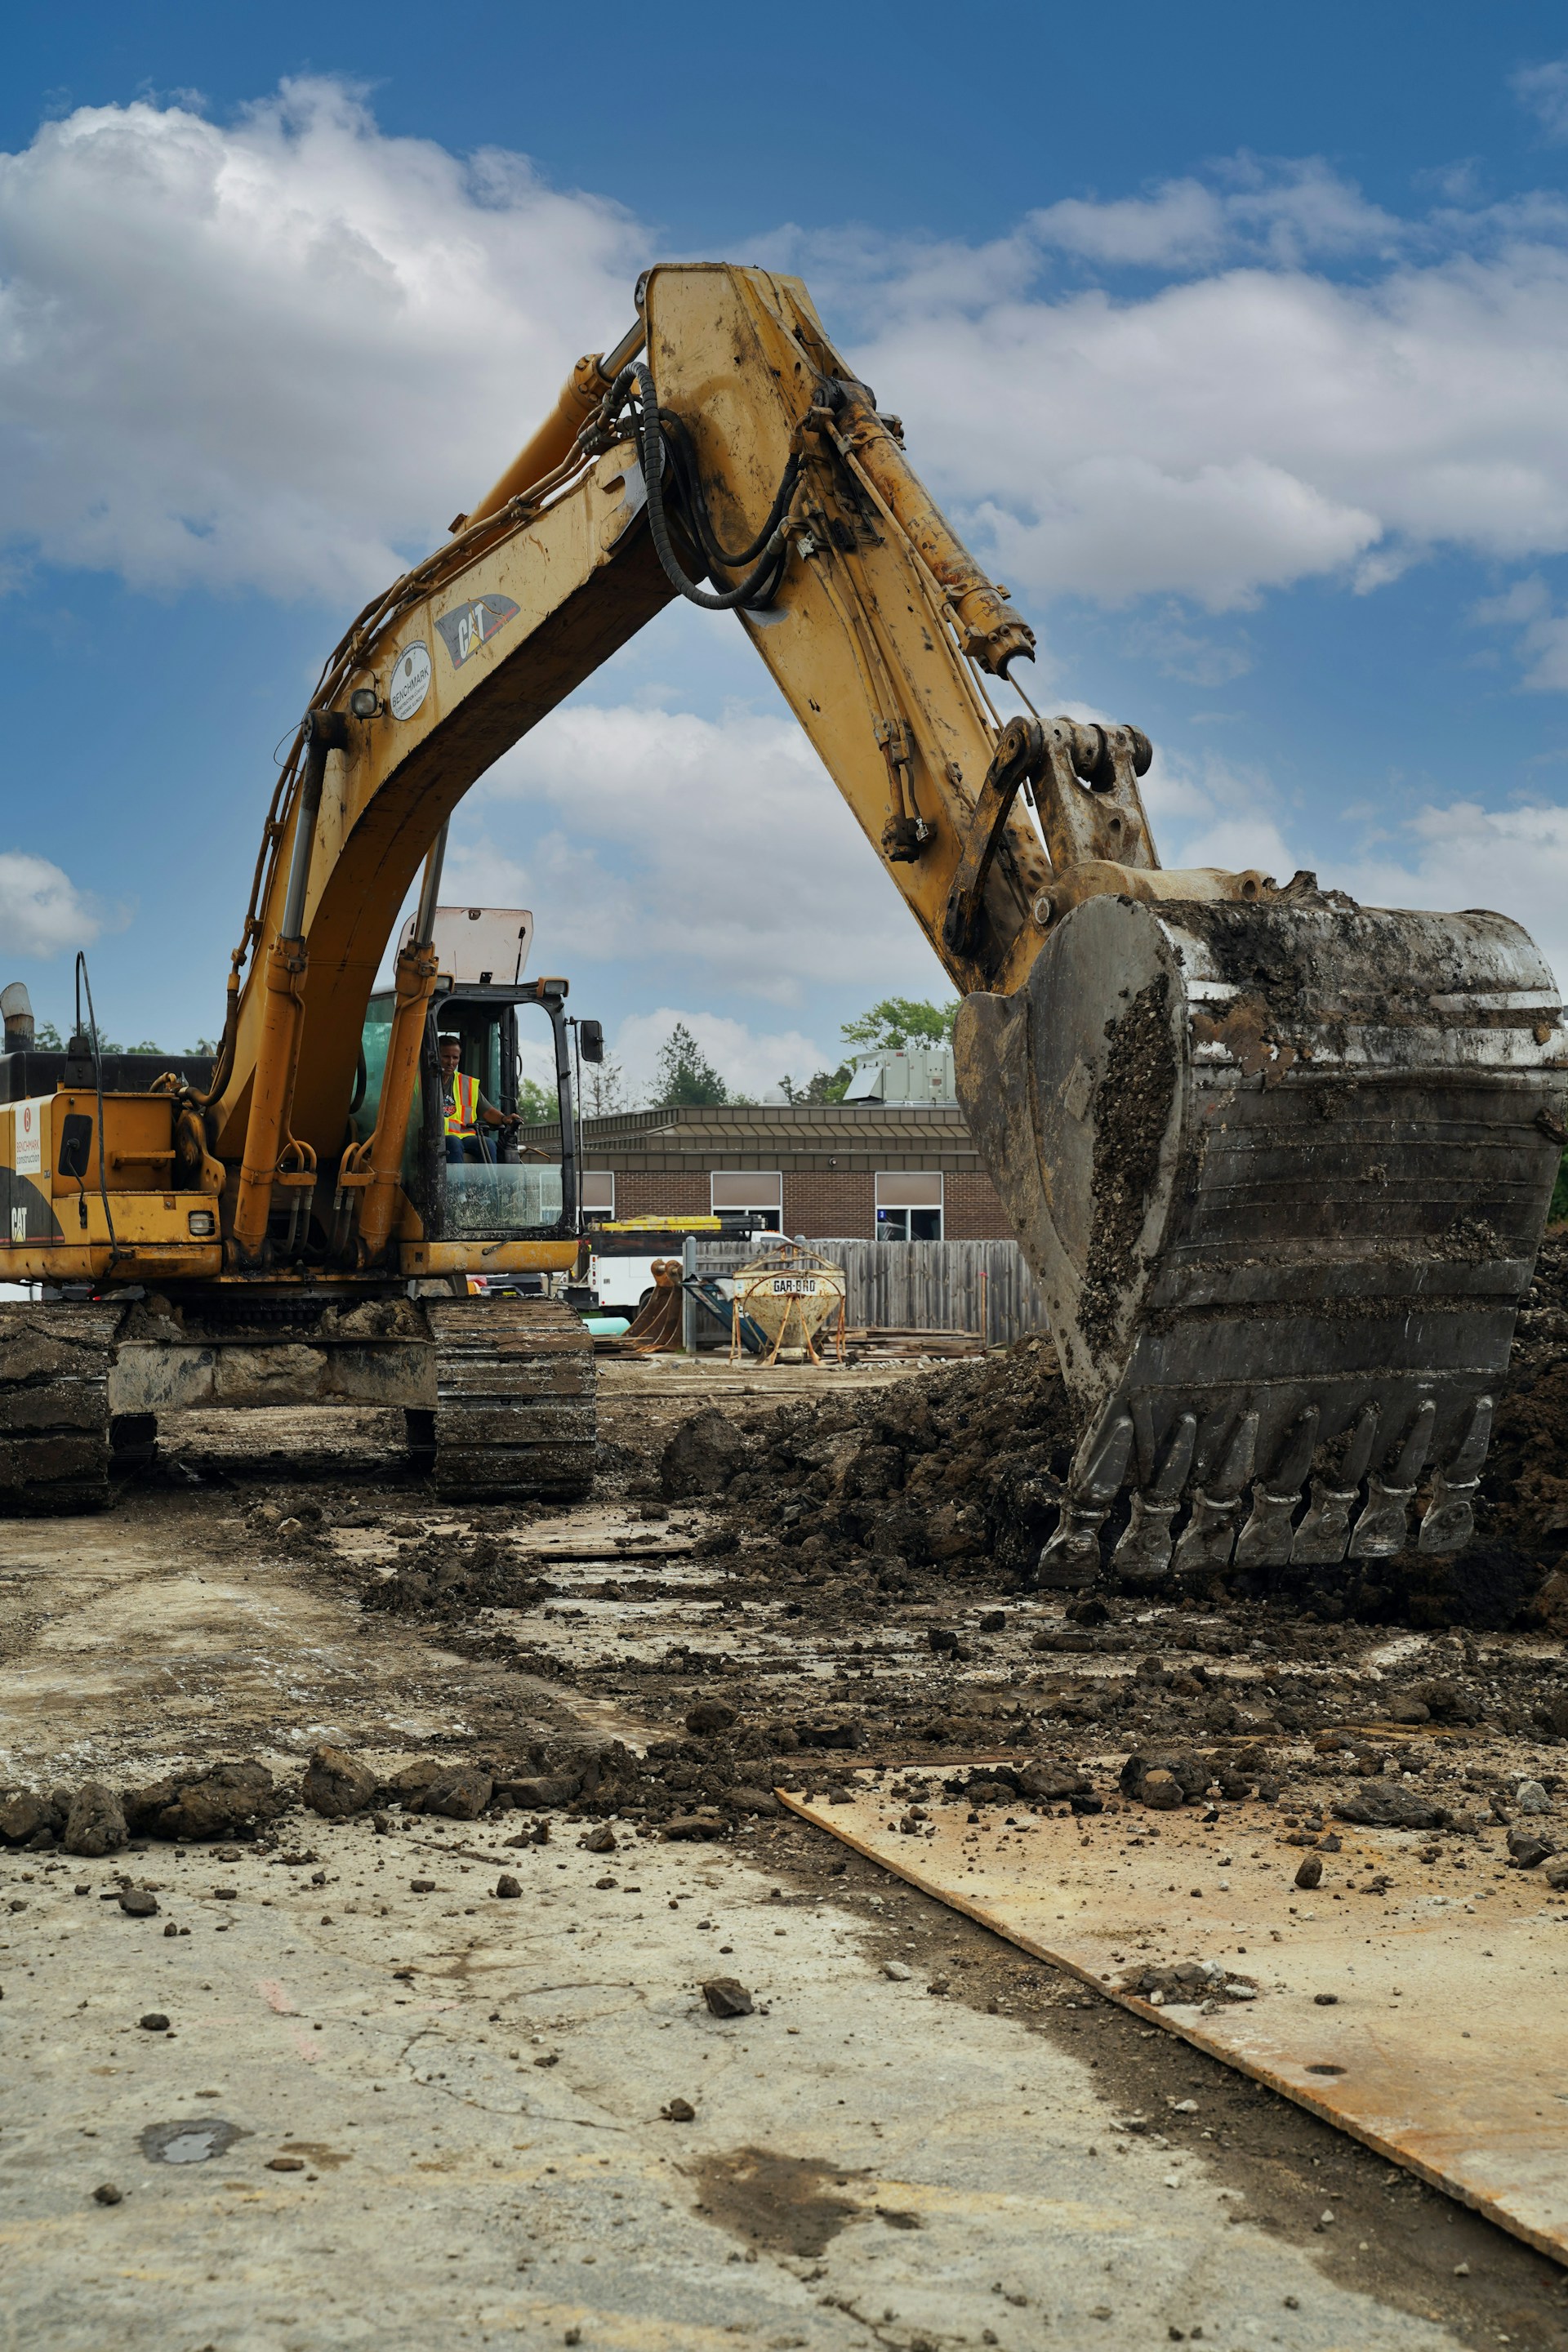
column 1280, row 1164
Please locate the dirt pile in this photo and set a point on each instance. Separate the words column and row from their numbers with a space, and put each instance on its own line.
column 192, row 1803
column 961, row 1470
column 960, row 1474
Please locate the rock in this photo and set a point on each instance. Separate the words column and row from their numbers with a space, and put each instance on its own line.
column 1310, row 1872
column 1557, row 1876
column 543, row 1794
column 23, row 1814
column 143, row 1806
column 896, row 1970
column 1388, row 1804
column 1051, row 1783
column 422, row 1887
column 1189, row 1772
column 95, row 1824
column 599, row 1841
column 461, row 1792
column 727, row 1997
column 743, row 1799
column 1409, row 1710
column 679, row 2111
column 1551, row 1715
column 1528, row 1848
column 701, row 1824
column 507, row 1888
column 701, row 1457
column 708, row 1715
column 1531, row 1798
column 138, row 1902
column 153, row 2022
column 335, row 1784
column 411, row 1781
column 285, row 2164
column 1187, row 1981
column 994, row 1622
column 832, row 1731
column 106, row 2193
column 1160, row 1791
column 216, row 1804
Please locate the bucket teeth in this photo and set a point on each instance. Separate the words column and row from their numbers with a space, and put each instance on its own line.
column 1209, row 1536
column 1384, row 1526
column 1072, row 1555
column 1449, row 1522
column 1323, row 1534
column 1144, row 1550
column 1265, row 1541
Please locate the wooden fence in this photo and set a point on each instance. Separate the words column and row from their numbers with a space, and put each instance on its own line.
column 923, row 1285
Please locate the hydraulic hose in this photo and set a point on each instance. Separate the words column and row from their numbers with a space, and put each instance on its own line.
column 759, row 583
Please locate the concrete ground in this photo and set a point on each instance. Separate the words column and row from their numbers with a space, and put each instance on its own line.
column 386, row 2117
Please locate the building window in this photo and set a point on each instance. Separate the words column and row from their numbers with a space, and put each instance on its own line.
column 908, row 1207
column 598, row 1192
column 759, row 1196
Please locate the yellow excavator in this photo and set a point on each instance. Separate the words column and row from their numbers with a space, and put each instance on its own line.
column 1280, row 1163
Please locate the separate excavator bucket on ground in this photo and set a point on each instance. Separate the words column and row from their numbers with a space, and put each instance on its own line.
column 1281, row 1171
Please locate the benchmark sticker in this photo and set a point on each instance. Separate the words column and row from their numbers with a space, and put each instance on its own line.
column 469, row 627
column 27, row 1132
column 410, row 680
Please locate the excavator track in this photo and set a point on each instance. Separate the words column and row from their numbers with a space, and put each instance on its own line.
column 1282, row 1172
column 55, row 1445
column 515, row 1414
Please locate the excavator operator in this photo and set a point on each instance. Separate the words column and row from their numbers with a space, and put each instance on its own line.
column 464, row 1108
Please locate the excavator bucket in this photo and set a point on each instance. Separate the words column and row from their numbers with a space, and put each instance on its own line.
column 1281, row 1171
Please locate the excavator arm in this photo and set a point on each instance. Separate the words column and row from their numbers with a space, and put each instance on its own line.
column 1280, row 1164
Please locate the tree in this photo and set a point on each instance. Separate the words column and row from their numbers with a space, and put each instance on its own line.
column 537, row 1105
column 685, row 1075
column 603, row 1089
column 48, row 1038
column 896, row 1023
column 826, row 1086
column 207, row 1045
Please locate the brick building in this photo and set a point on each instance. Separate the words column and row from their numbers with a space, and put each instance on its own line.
column 848, row 1170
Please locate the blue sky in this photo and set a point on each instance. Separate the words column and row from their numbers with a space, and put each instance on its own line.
column 1235, row 340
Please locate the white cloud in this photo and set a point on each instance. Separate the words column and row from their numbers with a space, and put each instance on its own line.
column 1209, row 811
column 1246, row 429
column 750, row 1062
column 1285, row 211
column 273, row 353
column 1512, row 861
column 1543, row 90
column 719, row 848
column 41, row 909
column 281, row 351
column 1542, row 631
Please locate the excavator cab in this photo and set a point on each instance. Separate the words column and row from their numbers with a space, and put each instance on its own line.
column 490, row 1188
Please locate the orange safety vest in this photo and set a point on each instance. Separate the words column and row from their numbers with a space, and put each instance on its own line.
column 463, row 1109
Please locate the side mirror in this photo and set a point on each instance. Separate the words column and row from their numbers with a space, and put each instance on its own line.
column 591, row 1040
column 76, row 1144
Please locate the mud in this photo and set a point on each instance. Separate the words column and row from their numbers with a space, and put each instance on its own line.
column 1131, row 1106
column 964, row 1475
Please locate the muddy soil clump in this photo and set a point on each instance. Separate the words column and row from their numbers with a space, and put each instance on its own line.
column 961, row 1474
